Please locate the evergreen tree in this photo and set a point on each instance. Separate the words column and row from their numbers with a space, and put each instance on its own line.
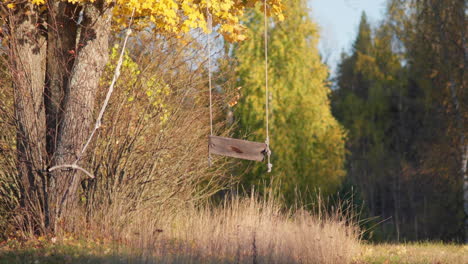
column 364, row 103
column 400, row 95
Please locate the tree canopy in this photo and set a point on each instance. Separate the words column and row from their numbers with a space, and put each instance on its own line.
column 174, row 16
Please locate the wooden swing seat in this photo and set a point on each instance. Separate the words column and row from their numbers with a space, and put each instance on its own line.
column 237, row 148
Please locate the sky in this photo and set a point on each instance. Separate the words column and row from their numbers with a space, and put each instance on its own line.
column 339, row 20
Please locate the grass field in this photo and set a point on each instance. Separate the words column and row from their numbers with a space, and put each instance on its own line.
column 240, row 231
column 72, row 250
column 67, row 250
column 414, row 253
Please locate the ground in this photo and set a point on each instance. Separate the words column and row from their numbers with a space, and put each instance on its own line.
column 414, row 253
column 73, row 250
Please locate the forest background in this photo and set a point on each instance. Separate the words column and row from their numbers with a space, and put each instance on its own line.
column 387, row 134
column 399, row 98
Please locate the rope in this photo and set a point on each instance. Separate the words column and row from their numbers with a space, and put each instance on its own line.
column 267, row 121
column 210, row 29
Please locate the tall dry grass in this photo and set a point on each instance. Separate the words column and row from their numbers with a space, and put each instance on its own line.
column 241, row 230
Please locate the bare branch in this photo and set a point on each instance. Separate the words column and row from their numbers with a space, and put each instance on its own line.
column 71, row 166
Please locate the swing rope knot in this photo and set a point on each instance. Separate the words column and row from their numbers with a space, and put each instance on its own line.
column 268, row 154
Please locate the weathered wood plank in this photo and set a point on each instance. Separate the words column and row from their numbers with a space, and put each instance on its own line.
column 237, row 148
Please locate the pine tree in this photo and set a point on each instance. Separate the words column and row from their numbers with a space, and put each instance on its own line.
column 365, row 104
column 400, row 96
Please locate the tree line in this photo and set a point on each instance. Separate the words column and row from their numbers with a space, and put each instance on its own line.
column 387, row 133
column 401, row 94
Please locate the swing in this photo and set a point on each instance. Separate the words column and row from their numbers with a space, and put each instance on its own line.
column 237, row 148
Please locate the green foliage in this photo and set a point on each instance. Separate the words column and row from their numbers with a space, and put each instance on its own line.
column 414, row 253
column 66, row 250
column 307, row 142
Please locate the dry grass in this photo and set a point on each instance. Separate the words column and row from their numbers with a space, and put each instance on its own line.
column 239, row 231
column 415, row 253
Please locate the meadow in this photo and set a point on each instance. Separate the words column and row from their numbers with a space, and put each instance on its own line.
column 243, row 230
column 239, row 231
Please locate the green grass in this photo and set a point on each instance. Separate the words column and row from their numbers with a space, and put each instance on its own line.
column 67, row 250
column 414, row 253
column 71, row 250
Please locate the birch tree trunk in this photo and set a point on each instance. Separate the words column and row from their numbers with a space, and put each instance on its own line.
column 463, row 152
column 465, row 189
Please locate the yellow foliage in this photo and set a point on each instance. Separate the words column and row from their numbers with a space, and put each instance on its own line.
column 156, row 90
column 307, row 141
column 179, row 16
